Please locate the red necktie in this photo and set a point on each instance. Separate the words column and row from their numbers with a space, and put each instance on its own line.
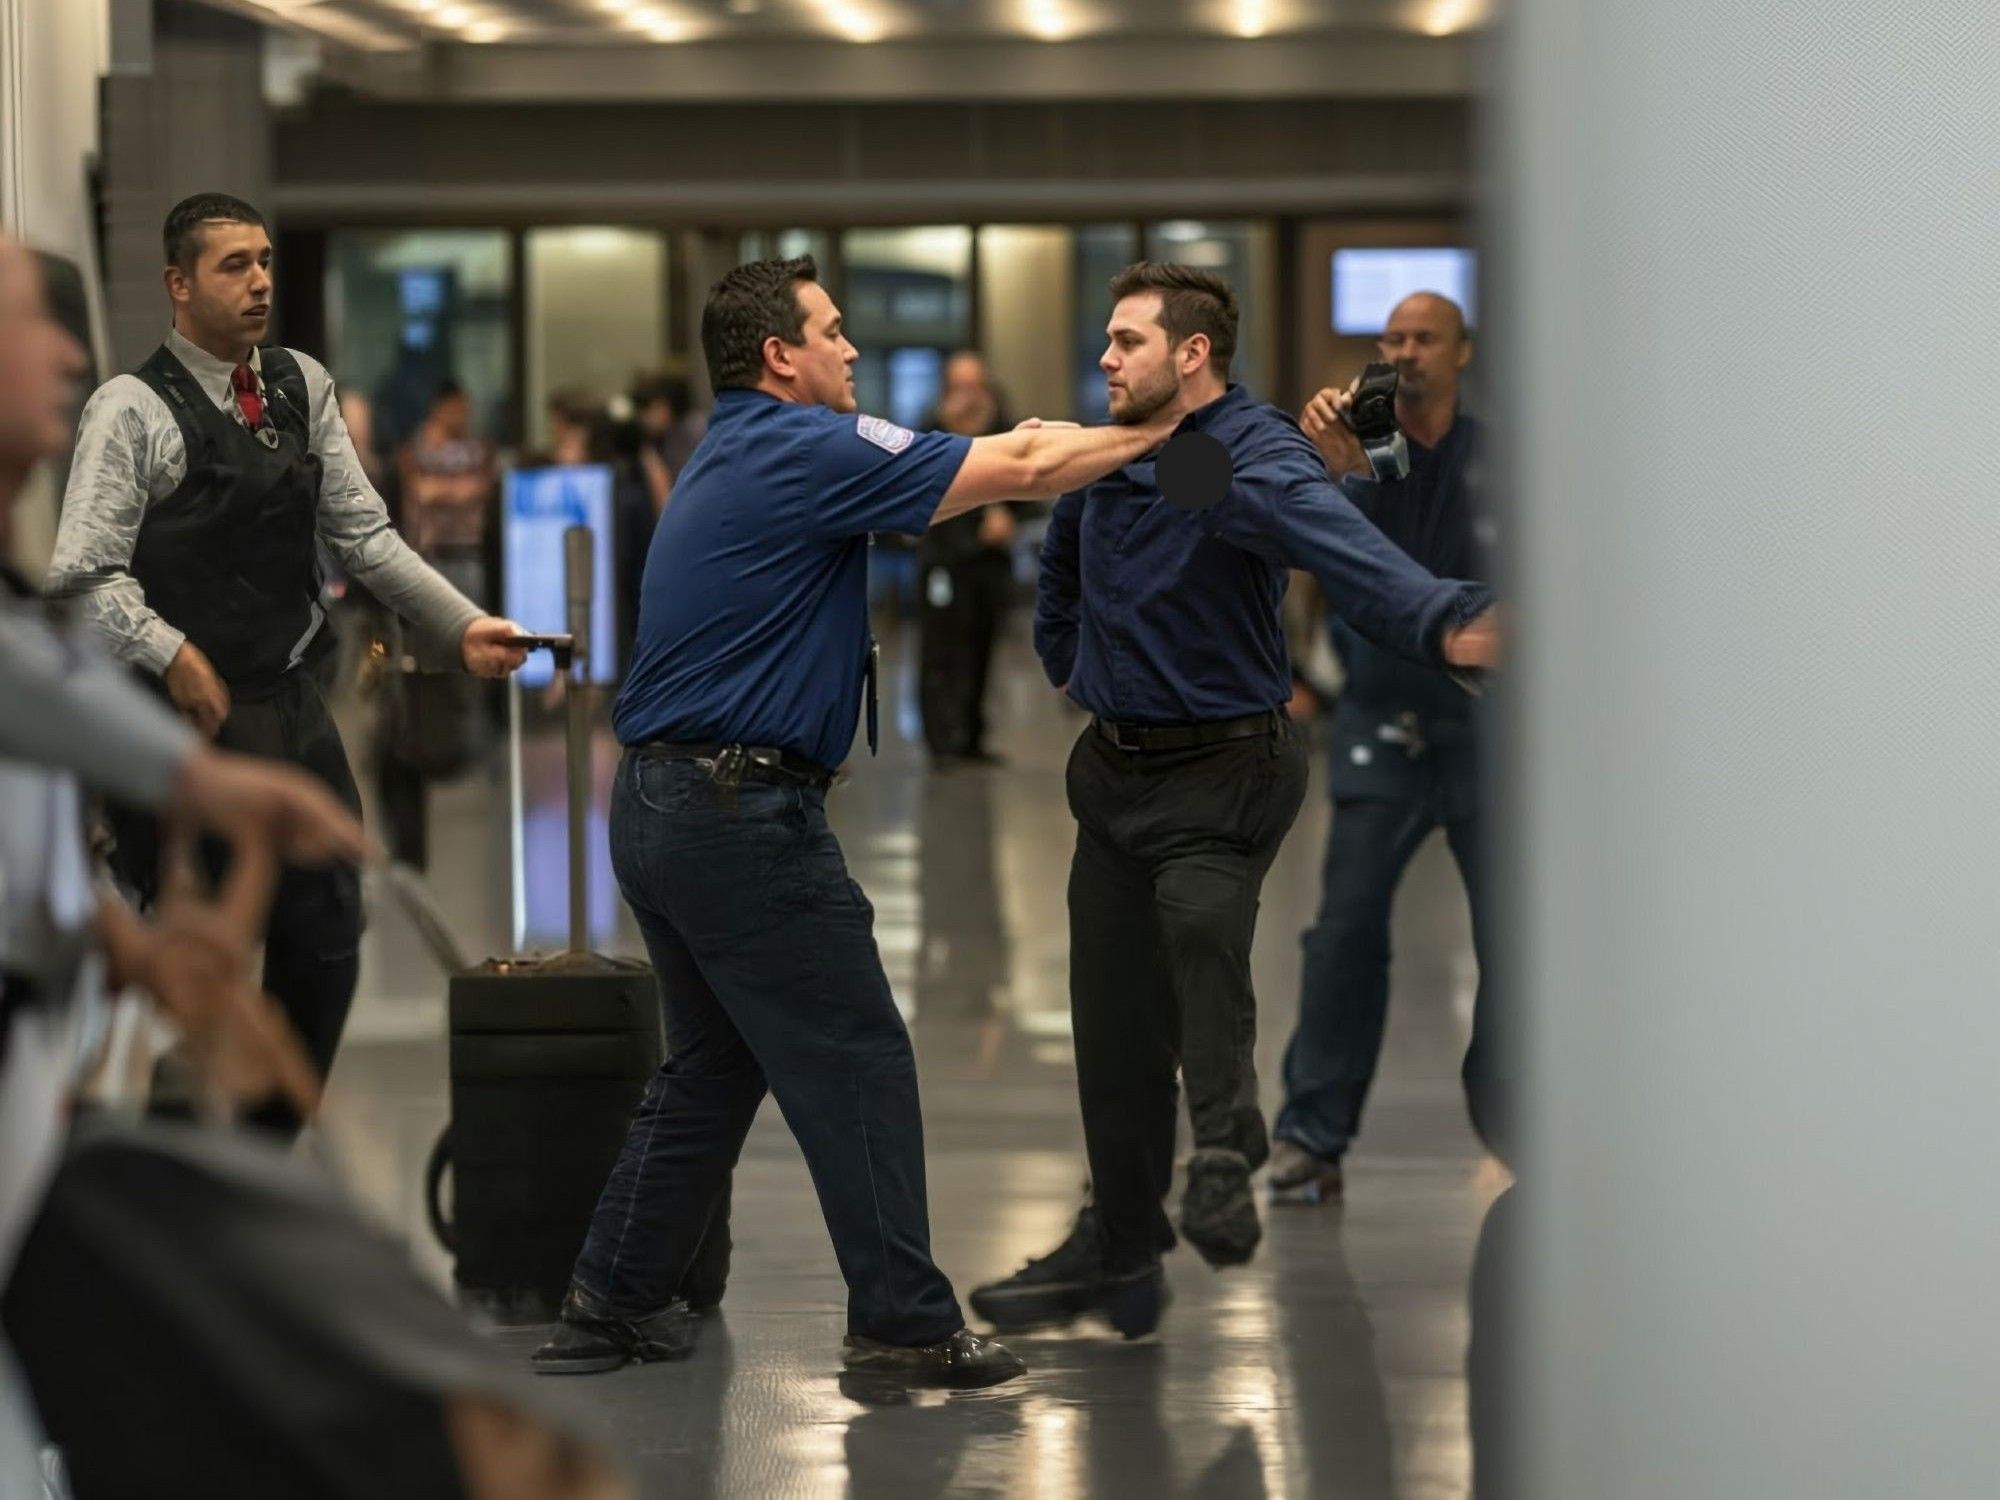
column 247, row 399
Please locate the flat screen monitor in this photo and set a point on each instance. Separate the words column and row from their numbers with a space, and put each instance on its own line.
column 1368, row 283
column 537, row 507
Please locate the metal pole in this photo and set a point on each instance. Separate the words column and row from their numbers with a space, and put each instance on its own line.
column 578, row 585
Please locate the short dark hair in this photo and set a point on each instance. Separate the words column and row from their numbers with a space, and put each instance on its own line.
column 181, row 234
column 1191, row 301
column 754, row 302
column 446, row 390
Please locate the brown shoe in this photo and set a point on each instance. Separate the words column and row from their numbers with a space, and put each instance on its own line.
column 1297, row 1176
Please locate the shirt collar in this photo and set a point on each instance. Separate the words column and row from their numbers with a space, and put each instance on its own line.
column 211, row 374
column 741, row 395
column 1233, row 400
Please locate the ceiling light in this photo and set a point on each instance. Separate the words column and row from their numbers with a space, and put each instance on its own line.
column 485, row 31
column 1448, row 16
column 617, row 7
column 855, row 22
column 1253, row 17
column 1050, row 20
column 453, row 16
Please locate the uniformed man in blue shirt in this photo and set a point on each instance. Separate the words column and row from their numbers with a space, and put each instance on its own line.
column 1403, row 761
column 1165, row 623
column 746, row 683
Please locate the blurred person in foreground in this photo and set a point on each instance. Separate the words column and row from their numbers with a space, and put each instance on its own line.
column 965, row 576
column 1404, row 760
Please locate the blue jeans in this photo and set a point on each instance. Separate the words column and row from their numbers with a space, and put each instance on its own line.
column 769, row 978
column 1344, row 985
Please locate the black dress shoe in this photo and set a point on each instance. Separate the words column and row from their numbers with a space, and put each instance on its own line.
column 589, row 1339
column 965, row 1361
column 1218, row 1210
column 1071, row 1281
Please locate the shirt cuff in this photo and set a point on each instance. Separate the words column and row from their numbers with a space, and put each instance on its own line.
column 156, row 647
column 1471, row 601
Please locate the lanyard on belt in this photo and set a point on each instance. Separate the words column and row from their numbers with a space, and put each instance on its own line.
column 874, row 692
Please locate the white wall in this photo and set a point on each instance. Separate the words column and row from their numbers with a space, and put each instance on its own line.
column 1748, row 317
column 52, row 53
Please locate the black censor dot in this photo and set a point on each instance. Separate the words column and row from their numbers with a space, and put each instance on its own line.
column 1193, row 470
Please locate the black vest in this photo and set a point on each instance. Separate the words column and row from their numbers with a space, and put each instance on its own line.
column 228, row 558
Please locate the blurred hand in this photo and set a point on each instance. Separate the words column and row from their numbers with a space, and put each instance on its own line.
column 1476, row 643
column 196, row 689
column 247, row 799
column 484, row 650
column 194, row 960
column 1335, row 440
column 996, row 526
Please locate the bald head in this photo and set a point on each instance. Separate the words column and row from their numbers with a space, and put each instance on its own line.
column 1433, row 307
column 1426, row 341
column 39, row 365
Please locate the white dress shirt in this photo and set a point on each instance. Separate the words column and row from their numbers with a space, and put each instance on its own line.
column 129, row 454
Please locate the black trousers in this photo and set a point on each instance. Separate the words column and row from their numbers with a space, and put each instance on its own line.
column 312, row 942
column 1171, row 852
column 963, row 605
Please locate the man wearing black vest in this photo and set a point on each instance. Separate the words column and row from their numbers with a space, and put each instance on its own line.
column 200, row 486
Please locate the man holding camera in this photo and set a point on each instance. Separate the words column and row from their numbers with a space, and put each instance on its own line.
column 1404, row 759
column 1165, row 622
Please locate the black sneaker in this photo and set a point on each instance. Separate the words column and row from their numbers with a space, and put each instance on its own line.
column 965, row 1361
column 1069, row 1282
column 1050, row 1290
column 1298, row 1176
column 590, row 1340
column 1218, row 1210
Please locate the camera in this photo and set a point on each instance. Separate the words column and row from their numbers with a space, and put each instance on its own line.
column 1372, row 418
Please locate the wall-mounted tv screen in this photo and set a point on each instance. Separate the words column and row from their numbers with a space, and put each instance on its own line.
column 1368, row 283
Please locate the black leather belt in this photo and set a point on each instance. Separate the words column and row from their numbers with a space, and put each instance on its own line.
column 1189, row 736
column 729, row 764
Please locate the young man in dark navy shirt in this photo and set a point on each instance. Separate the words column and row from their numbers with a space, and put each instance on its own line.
column 1404, row 760
column 742, row 697
column 1165, row 623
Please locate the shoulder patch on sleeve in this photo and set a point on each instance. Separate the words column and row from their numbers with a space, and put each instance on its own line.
column 884, row 435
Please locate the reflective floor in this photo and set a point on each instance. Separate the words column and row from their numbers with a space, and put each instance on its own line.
column 1331, row 1366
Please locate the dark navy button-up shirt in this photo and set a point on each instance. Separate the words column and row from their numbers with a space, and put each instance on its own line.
column 1154, row 615
column 753, row 617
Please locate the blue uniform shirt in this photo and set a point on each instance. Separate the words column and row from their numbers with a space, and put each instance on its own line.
column 1154, row 615
column 753, row 616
